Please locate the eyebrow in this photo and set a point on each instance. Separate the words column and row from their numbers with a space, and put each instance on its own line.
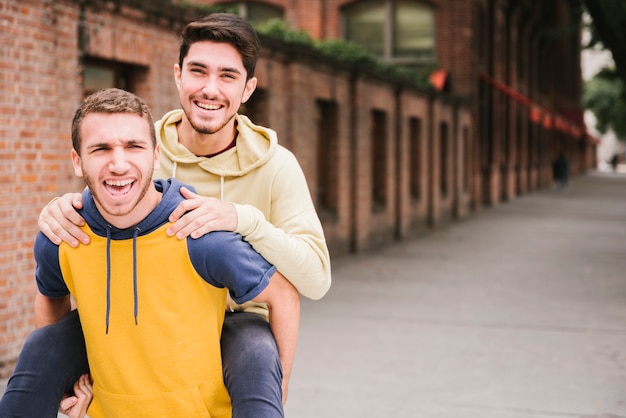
column 125, row 143
column 98, row 145
column 222, row 69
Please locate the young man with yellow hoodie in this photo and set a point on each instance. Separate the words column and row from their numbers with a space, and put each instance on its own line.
column 256, row 188
column 151, row 306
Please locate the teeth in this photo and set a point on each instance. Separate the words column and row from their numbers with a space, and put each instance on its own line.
column 208, row 107
column 119, row 183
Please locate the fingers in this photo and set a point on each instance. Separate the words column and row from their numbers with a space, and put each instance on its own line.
column 182, row 208
column 194, row 224
column 76, row 406
column 212, row 215
column 192, row 202
column 197, row 228
column 67, row 403
column 199, row 215
column 83, row 388
column 59, row 221
column 188, row 194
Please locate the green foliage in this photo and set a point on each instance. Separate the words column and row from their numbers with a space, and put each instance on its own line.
column 415, row 76
column 605, row 96
column 217, row 8
column 278, row 28
column 350, row 53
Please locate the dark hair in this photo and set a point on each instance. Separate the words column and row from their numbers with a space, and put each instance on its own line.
column 110, row 101
column 223, row 27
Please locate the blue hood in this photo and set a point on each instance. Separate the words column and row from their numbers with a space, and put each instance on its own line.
column 159, row 216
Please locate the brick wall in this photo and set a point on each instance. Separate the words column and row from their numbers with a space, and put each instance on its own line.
column 39, row 84
column 381, row 141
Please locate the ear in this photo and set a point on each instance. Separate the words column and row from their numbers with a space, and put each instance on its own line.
column 78, row 168
column 249, row 89
column 177, row 72
column 157, row 157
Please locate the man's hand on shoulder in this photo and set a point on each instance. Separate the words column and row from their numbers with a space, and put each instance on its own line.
column 199, row 215
column 59, row 220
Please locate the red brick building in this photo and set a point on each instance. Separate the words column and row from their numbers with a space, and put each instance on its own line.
column 384, row 160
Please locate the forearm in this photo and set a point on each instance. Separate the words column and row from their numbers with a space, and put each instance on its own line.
column 285, row 323
column 297, row 248
column 50, row 310
column 283, row 302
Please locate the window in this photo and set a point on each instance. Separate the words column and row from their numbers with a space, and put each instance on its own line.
column 415, row 146
column 327, row 157
column 97, row 78
column 257, row 13
column 101, row 74
column 468, row 159
column 379, row 160
column 443, row 159
column 401, row 31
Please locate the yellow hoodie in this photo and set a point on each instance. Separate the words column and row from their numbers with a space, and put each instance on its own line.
column 263, row 179
column 152, row 309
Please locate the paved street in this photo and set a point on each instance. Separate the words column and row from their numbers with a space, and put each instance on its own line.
column 518, row 311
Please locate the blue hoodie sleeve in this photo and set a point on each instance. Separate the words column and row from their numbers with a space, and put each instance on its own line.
column 48, row 270
column 224, row 259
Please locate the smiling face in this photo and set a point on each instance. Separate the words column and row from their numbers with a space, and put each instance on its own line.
column 117, row 158
column 212, row 86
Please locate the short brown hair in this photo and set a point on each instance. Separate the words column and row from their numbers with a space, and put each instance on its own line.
column 227, row 28
column 110, row 101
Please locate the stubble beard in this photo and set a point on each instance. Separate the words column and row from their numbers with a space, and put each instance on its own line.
column 208, row 128
column 121, row 211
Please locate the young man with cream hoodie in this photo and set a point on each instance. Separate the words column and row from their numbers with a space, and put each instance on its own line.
column 256, row 188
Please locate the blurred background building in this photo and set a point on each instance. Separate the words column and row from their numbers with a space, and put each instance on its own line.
column 447, row 107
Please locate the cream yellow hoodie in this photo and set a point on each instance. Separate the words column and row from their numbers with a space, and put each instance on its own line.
column 263, row 179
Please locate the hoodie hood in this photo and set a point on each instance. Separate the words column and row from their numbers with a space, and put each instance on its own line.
column 158, row 217
column 171, row 198
column 255, row 146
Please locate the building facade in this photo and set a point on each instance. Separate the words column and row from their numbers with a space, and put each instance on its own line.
column 385, row 160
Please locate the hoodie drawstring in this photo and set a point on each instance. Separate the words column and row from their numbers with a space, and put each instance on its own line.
column 108, row 311
column 135, row 286
column 136, row 298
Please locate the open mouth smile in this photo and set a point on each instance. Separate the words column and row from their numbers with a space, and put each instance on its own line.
column 118, row 187
column 206, row 106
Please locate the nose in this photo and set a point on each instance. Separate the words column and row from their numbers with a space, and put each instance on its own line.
column 211, row 87
column 118, row 163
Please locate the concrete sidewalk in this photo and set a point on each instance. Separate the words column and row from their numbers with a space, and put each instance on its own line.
column 518, row 311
